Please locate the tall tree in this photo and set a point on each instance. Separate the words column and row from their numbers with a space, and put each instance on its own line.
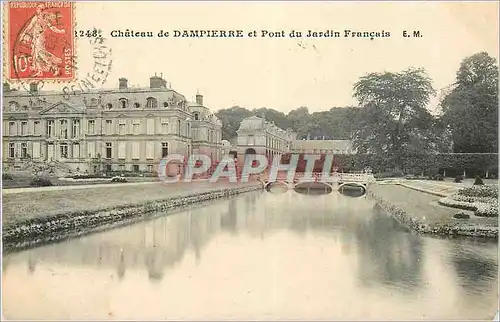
column 470, row 109
column 393, row 120
column 231, row 119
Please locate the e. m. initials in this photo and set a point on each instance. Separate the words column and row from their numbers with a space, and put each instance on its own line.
column 413, row 34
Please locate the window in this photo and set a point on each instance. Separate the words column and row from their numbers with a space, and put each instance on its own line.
column 123, row 103
column 24, row 150
column 122, row 127
column 76, row 151
column 251, row 140
column 108, row 150
column 36, row 128
column 36, row 149
column 164, row 126
column 107, row 168
column 178, row 127
column 165, row 104
column 121, row 167
column 135, row 168
column 12, row 150
column 24, row 128
column 109, row 106
column 12, row 128
column 75, row 129
column 135, row 150
column 150, row 168
column 64, row 129
column 50, row 128
column 64, row 151
column 136, row 126
column 91, row 127
column 149, row 150
column 164, row 149
column 122, row 150
column 151, row 102
column 188, row 129
column 109, row 127
column 150, row 126
column 137, row 105
column 91, row 149
column 196, row 116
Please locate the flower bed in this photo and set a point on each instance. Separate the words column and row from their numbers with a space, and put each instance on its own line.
column 483, row 200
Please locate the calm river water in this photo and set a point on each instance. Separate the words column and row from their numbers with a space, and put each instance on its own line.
column 257, row 256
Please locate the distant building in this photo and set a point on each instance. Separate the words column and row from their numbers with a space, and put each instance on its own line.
column 322, row 146
column 257, row 136
column 124, row 129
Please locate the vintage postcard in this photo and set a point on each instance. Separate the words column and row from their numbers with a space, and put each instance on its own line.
column 250, row 160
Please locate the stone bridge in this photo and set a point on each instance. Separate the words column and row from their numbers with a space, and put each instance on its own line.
column 340, row 181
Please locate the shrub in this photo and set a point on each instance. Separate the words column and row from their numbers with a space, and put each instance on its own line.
column 480, row 191
column 461, row 215
column 40, row 182
column 458, row 179
column 6, row 176
column 118, row 179
column 478, row 181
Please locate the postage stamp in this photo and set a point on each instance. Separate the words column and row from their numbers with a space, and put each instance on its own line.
column 40, row 41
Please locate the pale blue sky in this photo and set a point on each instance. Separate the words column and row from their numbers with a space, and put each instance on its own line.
column 287, row 73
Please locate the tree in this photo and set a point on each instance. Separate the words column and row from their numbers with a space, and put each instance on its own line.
column 470, row 109
column 231, row 119
column 393, row 120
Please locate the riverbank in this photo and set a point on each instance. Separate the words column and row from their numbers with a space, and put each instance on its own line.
column 32, row 216
column 419, row 209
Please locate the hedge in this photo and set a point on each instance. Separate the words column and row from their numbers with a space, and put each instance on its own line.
column 428, row 164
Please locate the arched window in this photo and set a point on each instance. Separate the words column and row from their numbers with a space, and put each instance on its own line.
column 165, row 104
column 151, row 102
column 123, row 102
column 137, row 105
column 196, row 116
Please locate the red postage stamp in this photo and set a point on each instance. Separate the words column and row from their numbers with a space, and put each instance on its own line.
column 40, row 41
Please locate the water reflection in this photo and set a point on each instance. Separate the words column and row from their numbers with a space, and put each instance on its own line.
column 259, row 255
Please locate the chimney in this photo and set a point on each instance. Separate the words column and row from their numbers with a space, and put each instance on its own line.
column 33, row 87
column 199, row 99
column 123, row 83
column 6, row 87
column 155, row 82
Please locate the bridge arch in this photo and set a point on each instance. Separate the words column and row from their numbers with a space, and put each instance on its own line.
column 250, row 151
column 269, row 184
column 343, row 185
column 313, row 185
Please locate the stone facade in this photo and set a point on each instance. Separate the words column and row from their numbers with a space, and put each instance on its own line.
column 257, row 136
column 124, row 129
column 322, row 147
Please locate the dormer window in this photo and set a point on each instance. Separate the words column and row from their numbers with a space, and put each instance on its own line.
column 137, row 105
column 165, row 104
column 109, row 106
column 196, row 116
column 151, row 102
column 123, row 102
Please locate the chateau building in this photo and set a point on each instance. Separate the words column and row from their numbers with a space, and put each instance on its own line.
column 124, row 129
column 322, row 147
column 257, row 136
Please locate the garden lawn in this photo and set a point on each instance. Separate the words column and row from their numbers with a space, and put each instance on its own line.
column 31, row 204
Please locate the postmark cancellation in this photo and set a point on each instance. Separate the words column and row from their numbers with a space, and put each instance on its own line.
column 39, row 41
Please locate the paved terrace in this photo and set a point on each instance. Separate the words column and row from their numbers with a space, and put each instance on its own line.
column 28, row 203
